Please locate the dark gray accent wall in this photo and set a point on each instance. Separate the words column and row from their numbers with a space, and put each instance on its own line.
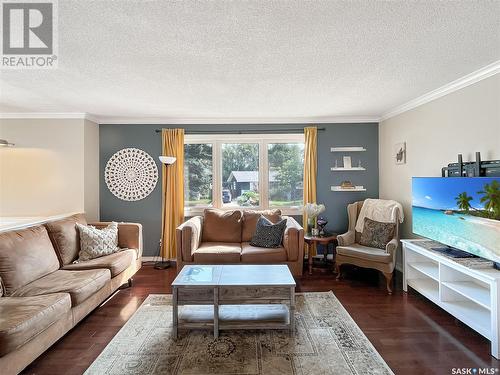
column 148, row 211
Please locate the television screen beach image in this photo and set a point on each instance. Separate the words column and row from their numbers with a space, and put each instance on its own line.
column 461, row 212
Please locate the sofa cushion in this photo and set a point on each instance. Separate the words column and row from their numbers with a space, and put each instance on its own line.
column 252, row 254
column 218, row 252
column 22, row 318
column 377, row 234
column 65, row 237
column 25, row 255
column 116, row 263
column 268, row 234
column 250, row 219
column 221, row 226
column 97, row 242
column 364, row 252
column 79, row 284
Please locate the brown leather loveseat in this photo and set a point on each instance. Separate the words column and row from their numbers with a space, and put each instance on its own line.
column 43, row 294
column 224, row 237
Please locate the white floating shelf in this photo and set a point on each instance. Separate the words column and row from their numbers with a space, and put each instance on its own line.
column 348, row 169
column 357, row 188
column 347, row 149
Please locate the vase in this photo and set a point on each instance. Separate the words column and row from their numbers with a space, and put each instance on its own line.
column 310, row 225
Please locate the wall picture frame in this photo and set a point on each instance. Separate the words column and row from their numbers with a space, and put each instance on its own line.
column 400, row 153
column 347, row 162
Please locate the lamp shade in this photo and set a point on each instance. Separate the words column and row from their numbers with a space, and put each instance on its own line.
column 168, row 159
column 5, row 143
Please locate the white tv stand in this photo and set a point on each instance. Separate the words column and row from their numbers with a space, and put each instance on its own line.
column 470, row 294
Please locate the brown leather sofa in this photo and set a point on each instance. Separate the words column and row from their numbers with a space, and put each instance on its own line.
column 43, row 295
column 223, row 237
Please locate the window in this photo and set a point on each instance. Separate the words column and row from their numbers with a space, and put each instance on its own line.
column 254, row 171
column 286, row 172
column 240, row 175
column 198, row 175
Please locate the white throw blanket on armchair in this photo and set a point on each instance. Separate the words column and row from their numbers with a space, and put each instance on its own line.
column 385, row 211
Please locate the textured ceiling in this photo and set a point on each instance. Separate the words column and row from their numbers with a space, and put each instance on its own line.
column 251, row 59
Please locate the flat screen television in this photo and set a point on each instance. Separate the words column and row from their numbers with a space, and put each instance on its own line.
column 460, row 212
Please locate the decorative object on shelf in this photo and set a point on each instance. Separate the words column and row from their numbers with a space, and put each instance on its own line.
column 347, row 185
column 347, row 162
column 131, row 174
column 321, row 223
column 336, row 163
column 400, row 153
column 359, row 164
column 312, row 211
column 347, row 149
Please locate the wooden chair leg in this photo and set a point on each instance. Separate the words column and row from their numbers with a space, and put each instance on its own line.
column 337, row 270
column 388, row 279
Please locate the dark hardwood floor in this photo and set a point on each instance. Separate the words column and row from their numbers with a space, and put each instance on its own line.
column 412, row 334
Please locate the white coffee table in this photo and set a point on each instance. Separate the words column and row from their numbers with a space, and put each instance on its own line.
column 233, row 297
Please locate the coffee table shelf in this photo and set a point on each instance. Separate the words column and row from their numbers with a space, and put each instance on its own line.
column 223, row 297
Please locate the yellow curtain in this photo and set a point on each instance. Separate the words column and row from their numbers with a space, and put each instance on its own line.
column 310, row 170
column 172, row 190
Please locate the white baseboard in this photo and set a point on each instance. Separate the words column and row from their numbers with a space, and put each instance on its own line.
column 155, row 259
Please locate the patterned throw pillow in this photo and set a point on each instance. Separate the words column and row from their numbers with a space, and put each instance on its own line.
column 95, row 243
column 377, row 234
column 268, row 234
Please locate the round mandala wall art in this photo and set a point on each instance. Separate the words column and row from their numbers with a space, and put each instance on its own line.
column 131, row 174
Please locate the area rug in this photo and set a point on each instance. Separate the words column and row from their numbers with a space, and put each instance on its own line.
column 327, row 341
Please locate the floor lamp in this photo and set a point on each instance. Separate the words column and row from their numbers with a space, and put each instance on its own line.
column 162, row 264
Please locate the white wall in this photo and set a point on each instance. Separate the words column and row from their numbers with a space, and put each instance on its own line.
column 462, row 122
column 53, row 168
column 91, row 170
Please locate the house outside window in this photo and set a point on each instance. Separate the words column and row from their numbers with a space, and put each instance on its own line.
column 257, row 171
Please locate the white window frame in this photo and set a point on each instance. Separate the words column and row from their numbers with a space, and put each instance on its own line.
column 263, row 140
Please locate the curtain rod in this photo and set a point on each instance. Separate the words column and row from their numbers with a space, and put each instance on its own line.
column 276, row 131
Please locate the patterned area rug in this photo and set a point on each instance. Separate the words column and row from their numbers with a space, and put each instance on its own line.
column 327, row 341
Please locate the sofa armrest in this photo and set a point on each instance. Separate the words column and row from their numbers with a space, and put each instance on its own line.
column 293, row 239
column 347, row 238
column 129, row 235
column 188, row 238
column 391, row 248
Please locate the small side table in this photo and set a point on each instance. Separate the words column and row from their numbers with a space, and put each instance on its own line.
column 325, row 241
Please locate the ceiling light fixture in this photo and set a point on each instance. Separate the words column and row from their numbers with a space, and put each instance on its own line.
column 5, row 143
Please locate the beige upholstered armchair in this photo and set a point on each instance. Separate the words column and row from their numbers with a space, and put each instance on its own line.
column 350, row 251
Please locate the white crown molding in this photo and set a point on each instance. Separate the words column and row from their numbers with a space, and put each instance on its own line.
column 469, row 79
column 189, row 120
column 49, row 115
column 237, row 120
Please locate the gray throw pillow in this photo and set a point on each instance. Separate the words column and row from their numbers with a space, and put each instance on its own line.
column 95, row 243
column 377, row 234
column 268, row 234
